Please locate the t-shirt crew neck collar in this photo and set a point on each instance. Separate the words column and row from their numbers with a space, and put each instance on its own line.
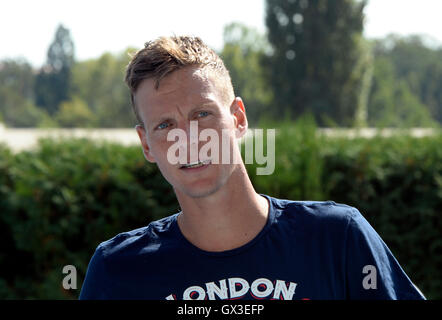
column 187, row 244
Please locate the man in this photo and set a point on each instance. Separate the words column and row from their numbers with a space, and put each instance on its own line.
column 228, row 241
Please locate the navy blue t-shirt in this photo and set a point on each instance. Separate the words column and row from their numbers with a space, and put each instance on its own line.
column 306, row 250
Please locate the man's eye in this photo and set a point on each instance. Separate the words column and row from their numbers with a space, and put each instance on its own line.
column 203, row 114
column 163, row 125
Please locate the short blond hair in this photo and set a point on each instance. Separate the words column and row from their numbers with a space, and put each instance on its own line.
column 165, row 55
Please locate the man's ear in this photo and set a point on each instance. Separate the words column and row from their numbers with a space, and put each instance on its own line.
column 143, row 138
column 238, row 112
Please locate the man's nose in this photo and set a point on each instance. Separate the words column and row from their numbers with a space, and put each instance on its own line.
column 192, row 138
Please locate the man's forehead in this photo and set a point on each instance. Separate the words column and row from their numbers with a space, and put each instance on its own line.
column 161, row 107
column 187, row 84
column 186, row 77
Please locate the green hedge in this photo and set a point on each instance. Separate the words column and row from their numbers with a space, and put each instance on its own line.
column 58, row 202
column 395, row 182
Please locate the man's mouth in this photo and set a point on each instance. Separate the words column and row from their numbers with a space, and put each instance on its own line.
column 195, row 164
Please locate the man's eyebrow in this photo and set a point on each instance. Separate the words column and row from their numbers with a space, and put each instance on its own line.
column 205, row 104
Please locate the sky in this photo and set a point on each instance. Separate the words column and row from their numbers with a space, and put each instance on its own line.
column 27, row 27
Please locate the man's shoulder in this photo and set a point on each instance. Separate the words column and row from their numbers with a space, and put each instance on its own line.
column 315, row 220
column 147, row 238
column 315, row 211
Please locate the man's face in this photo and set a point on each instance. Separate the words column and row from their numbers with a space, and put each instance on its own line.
column 189, row 94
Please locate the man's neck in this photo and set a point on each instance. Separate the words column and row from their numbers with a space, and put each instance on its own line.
column 226, row 219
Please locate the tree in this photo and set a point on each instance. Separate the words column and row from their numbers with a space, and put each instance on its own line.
column 421, row 68
column 16, row 95
column 392, row 103
column 243, row 52
column 17, row 75
column 382, row 100
column 75, row 113
column 319, row 61
column 431, row 89
column 406, row 83
column 53, row 81
column 100, row 84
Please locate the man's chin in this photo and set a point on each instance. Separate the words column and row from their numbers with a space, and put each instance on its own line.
column 198, row 193
column 204, row 187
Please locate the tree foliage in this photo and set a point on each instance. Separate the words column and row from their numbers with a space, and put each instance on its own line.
column 407, row 83
column 75, row 113
column 243, row 52
column 100, row 84
column 17, row 106
column 319, row 59
column 312, row 58
column 53, row 80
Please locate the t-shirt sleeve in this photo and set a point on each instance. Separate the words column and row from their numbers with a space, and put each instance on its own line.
column 372, row 270
column 94, row 285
